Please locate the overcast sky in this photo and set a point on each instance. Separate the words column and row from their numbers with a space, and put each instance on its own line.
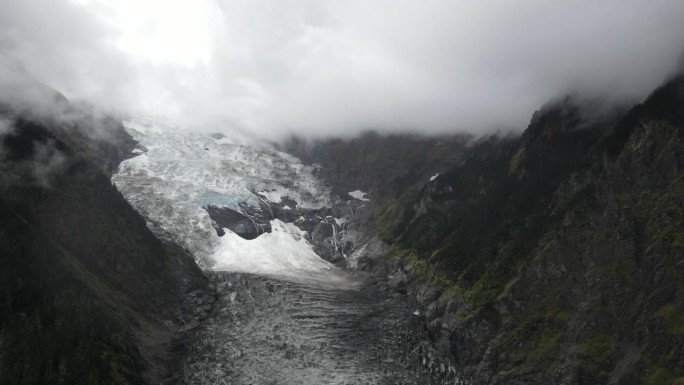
column 337, row 67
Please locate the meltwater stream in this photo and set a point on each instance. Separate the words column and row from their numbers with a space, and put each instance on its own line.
column 284, row 315
column 268, row 331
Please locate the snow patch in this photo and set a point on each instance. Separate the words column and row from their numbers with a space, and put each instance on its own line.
column 353, row 259
column 432, row 178
column 358, row 194
column 138, row 166
column 282, row 253
column 340, row 221
column 272, row 196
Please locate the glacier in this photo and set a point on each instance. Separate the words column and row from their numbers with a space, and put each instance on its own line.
column 284, row 314
column 177, row 173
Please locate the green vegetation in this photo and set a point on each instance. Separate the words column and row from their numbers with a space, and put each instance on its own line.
column 662, row 376
column 410, row 259
column 595, row 358
column 480, row 296
column 673, row 319
column 568, row 243
column 82, row 278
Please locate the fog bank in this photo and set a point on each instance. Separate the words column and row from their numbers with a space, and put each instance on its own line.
column 321, row 68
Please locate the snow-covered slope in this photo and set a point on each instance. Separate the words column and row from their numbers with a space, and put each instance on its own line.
column 178, row 173
column 283, row 251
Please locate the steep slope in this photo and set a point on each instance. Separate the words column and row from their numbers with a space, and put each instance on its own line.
column 555, row 257
column 377, row 169
column 382, row 166
column 561, row 260
column 89, row 294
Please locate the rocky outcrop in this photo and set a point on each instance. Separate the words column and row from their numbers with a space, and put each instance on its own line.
column 248, row 227
column 382, row 166
column 554, row 257
column 89, row 294
column 326, row 228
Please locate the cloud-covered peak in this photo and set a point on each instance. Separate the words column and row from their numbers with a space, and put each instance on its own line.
column 337, row 68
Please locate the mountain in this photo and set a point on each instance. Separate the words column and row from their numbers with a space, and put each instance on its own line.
column 553, row 257
column 87, row 293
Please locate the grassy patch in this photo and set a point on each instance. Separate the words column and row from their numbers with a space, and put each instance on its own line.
column 596, row 356
column 480, row 296
column 662, row 376
column 515, row 160
column 546, row 345
column 410, row 259
column 672, row 318
column 450, row 287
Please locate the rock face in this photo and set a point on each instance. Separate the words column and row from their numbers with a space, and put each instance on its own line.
column 382, row 166
column 325, row 228
column 248, row 227
column 89, row 294
column 555, row 257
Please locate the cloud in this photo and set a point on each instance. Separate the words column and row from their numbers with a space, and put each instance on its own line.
column 325, row 67
column 39, row 166
column 6, row 127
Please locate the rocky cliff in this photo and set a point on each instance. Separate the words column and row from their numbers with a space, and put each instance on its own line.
column 553, row 257
column 87, row 293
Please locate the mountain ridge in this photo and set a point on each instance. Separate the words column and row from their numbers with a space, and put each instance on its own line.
column 523, row 247
column 89, row 294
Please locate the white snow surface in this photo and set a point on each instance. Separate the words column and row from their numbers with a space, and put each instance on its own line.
column 283, row 252
column 273, row 196
column 358, row 194
column 432, row 178
column 179, row 172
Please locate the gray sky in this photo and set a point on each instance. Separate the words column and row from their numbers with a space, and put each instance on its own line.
column 337, row 67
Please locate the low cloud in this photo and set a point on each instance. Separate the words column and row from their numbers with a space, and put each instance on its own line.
column 44, row 162
column 6, row 127
column 321, row 68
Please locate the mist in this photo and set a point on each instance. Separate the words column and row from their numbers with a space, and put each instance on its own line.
column 332, row 68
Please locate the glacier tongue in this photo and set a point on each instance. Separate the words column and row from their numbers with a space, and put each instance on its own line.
column 178, row 173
